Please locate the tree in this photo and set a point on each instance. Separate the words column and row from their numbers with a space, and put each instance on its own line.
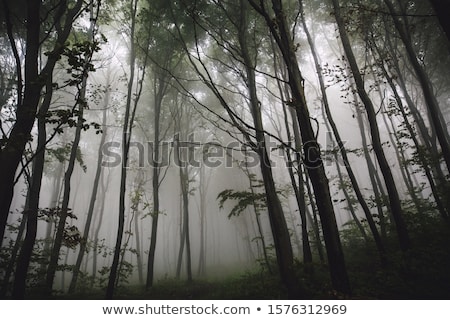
column 34, row 80
column 80, row 57
column 394, row 198
column 130, row 109
column 401, row 24
column 92, row 202
column 311, row 150
column 441, row 7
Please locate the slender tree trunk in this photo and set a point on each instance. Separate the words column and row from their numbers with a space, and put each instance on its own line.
column 349, row 201
column 182, row 242
column 13, row 257
column 430, row 99
column 159, row 91
column 184, row 181
column 314, row 219
column 258, row 220
column 54, row 203
column 312, row 158
column 23, row 261
column 64, row 212
column 203, row 185
column 277, row 220
column 93, row 199
column 330, row 123
column 299, row 189
column 11, row 153
column 81, row 101
column 126, row 134
column 394, row 198
column 138, row 248
column 101, row 211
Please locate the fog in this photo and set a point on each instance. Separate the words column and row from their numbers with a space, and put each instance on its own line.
column 201, row 143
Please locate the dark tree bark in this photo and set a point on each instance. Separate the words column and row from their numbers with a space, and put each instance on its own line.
column 23, row 261
column 394, row 198
column 299, row 187
column 93, row 199
column 331, row 123
column 11, row 152
column 202, row 190
column 64, row 212
column 257, row 219
column 442, row 9
column 126, row 135
column 159, row 90
column 101, row 210
column 312, row 158
column 430, row 99
column 277, row 220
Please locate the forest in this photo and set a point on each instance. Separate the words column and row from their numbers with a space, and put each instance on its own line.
column 224, row 149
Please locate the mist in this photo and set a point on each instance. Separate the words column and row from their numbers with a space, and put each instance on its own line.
column 224, row 149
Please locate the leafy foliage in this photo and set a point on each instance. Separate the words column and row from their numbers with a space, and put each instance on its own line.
column 244, row 200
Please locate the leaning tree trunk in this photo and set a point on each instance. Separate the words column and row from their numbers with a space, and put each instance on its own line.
column 394, row 198
column 90, row 213
column 329, row 121
column 425, row 83
column 64, row 213
column 281, row 237
column 313, row 162
column 298, row 187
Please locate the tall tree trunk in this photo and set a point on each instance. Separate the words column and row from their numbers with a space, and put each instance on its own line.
column 312, row 158
column 202, row 187
column 184, row 182
column 54, row 203
column 299, row 188
column 375, row 181
column 101, row 211
column 126, row 135
column 159, row 90
column 329, row 121
column 23, row 261
column 277, row 220
column 81, row 101
column 13, row 258
column 90, row 213
column 64, row 212
column 137, row 235
column 257, row 218
column 425, row 83
column 394, row 198
column 11, row 153
column 313, row 217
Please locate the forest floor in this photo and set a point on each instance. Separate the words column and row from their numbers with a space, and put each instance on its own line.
column 375, row 283
column 423, row 272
